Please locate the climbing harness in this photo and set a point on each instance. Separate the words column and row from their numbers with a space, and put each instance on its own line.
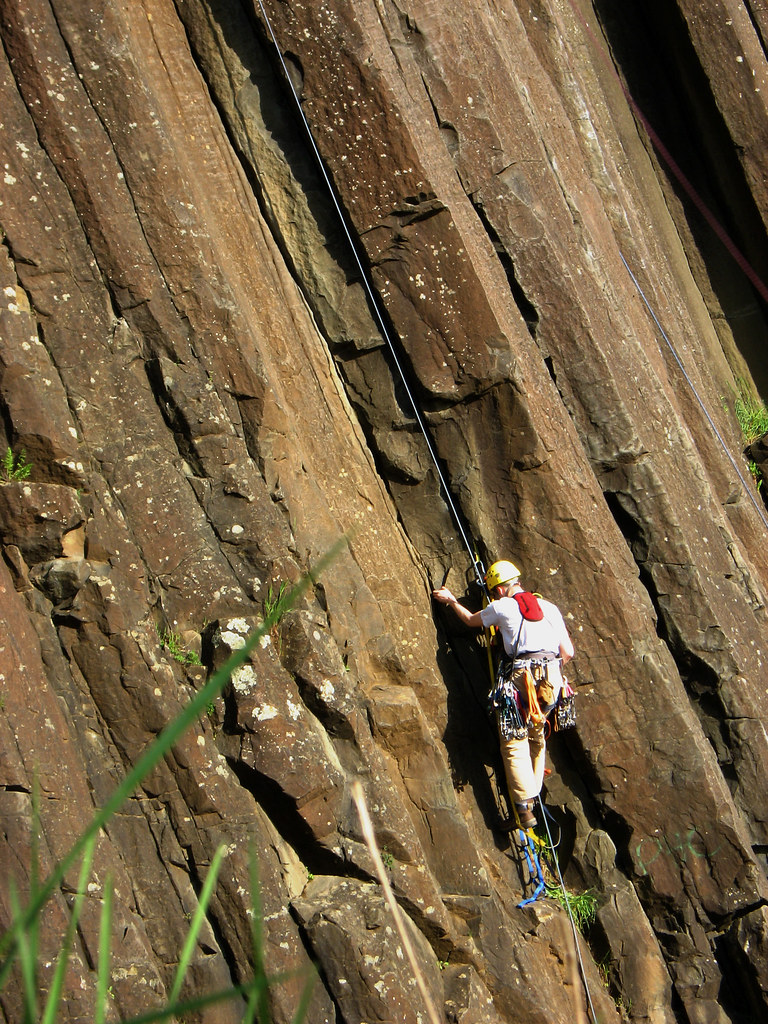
column 518, row 705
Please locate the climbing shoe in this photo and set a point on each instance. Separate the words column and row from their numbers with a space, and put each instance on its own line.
column 525, row 815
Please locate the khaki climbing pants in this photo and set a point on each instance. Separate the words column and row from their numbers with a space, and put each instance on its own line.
column 524, row 763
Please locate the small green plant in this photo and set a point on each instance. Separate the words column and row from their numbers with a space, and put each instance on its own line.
column 274, row 607
column 609, row 980
column 442, row 964
column 173, row 643
column 387, row 859
column 751, row 413
column 274, row 602
column 15, row 467
column 213, row 717
column 604, row 970
column 582, row 905
column 757, row 473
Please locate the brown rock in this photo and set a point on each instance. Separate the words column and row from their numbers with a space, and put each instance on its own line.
column 209, row 401
column 351, row 932
column 37, row 518
column 747, row 937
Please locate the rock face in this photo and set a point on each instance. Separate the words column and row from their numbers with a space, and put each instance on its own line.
column 510, row 308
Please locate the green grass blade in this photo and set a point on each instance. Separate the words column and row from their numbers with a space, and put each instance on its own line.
column 258, row 1004
column 34, row 861
column 105, row 953
column 191, row 1006
column 27, row 956
column 57, row 985
column 197, row 922
column 154, row 753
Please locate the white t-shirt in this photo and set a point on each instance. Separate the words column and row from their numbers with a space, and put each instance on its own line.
column 545, row 635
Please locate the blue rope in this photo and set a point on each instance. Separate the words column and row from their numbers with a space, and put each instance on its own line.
column 534, row 867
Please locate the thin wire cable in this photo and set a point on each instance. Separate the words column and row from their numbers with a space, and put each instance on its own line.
column 696, row 394
column 364, row 277
column 570, row 912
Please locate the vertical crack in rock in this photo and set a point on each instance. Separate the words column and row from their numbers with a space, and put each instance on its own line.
column 676, row 94
column 282, row 812
column 269, row 138
column 759, row 25
column 527, row 309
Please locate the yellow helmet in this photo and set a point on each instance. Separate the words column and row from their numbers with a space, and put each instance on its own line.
column 501, row 572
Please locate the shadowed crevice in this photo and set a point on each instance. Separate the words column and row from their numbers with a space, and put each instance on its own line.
column 652, row 46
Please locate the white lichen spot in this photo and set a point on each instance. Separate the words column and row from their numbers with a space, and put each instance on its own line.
column 233, row 640
column 237, row 529
column 294, row 710
column 201, row 741
column 244, row 679
column 327, row 691
column 264, row 712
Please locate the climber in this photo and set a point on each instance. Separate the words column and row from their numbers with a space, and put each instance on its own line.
column 536, row 643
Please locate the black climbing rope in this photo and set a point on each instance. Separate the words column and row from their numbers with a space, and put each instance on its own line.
column 374, row 302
